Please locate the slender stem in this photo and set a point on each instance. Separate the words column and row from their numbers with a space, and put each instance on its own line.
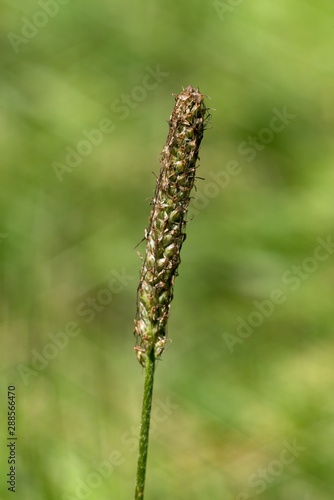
column 145, row 425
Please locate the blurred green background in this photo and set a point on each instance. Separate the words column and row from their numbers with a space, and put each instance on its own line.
column 229, row 403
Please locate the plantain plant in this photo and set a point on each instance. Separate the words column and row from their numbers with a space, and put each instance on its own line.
column 164, row 238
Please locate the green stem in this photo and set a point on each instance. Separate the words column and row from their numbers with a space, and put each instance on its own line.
column 145, row 425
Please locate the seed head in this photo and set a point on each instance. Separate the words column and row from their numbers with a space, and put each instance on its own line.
column 166, row 231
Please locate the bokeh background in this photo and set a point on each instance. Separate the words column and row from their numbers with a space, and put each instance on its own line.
column 228, row 408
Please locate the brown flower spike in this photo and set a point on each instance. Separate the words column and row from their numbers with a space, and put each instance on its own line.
column 166, row 232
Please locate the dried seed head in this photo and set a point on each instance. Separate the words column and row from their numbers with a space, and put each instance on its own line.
column 166, row 231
